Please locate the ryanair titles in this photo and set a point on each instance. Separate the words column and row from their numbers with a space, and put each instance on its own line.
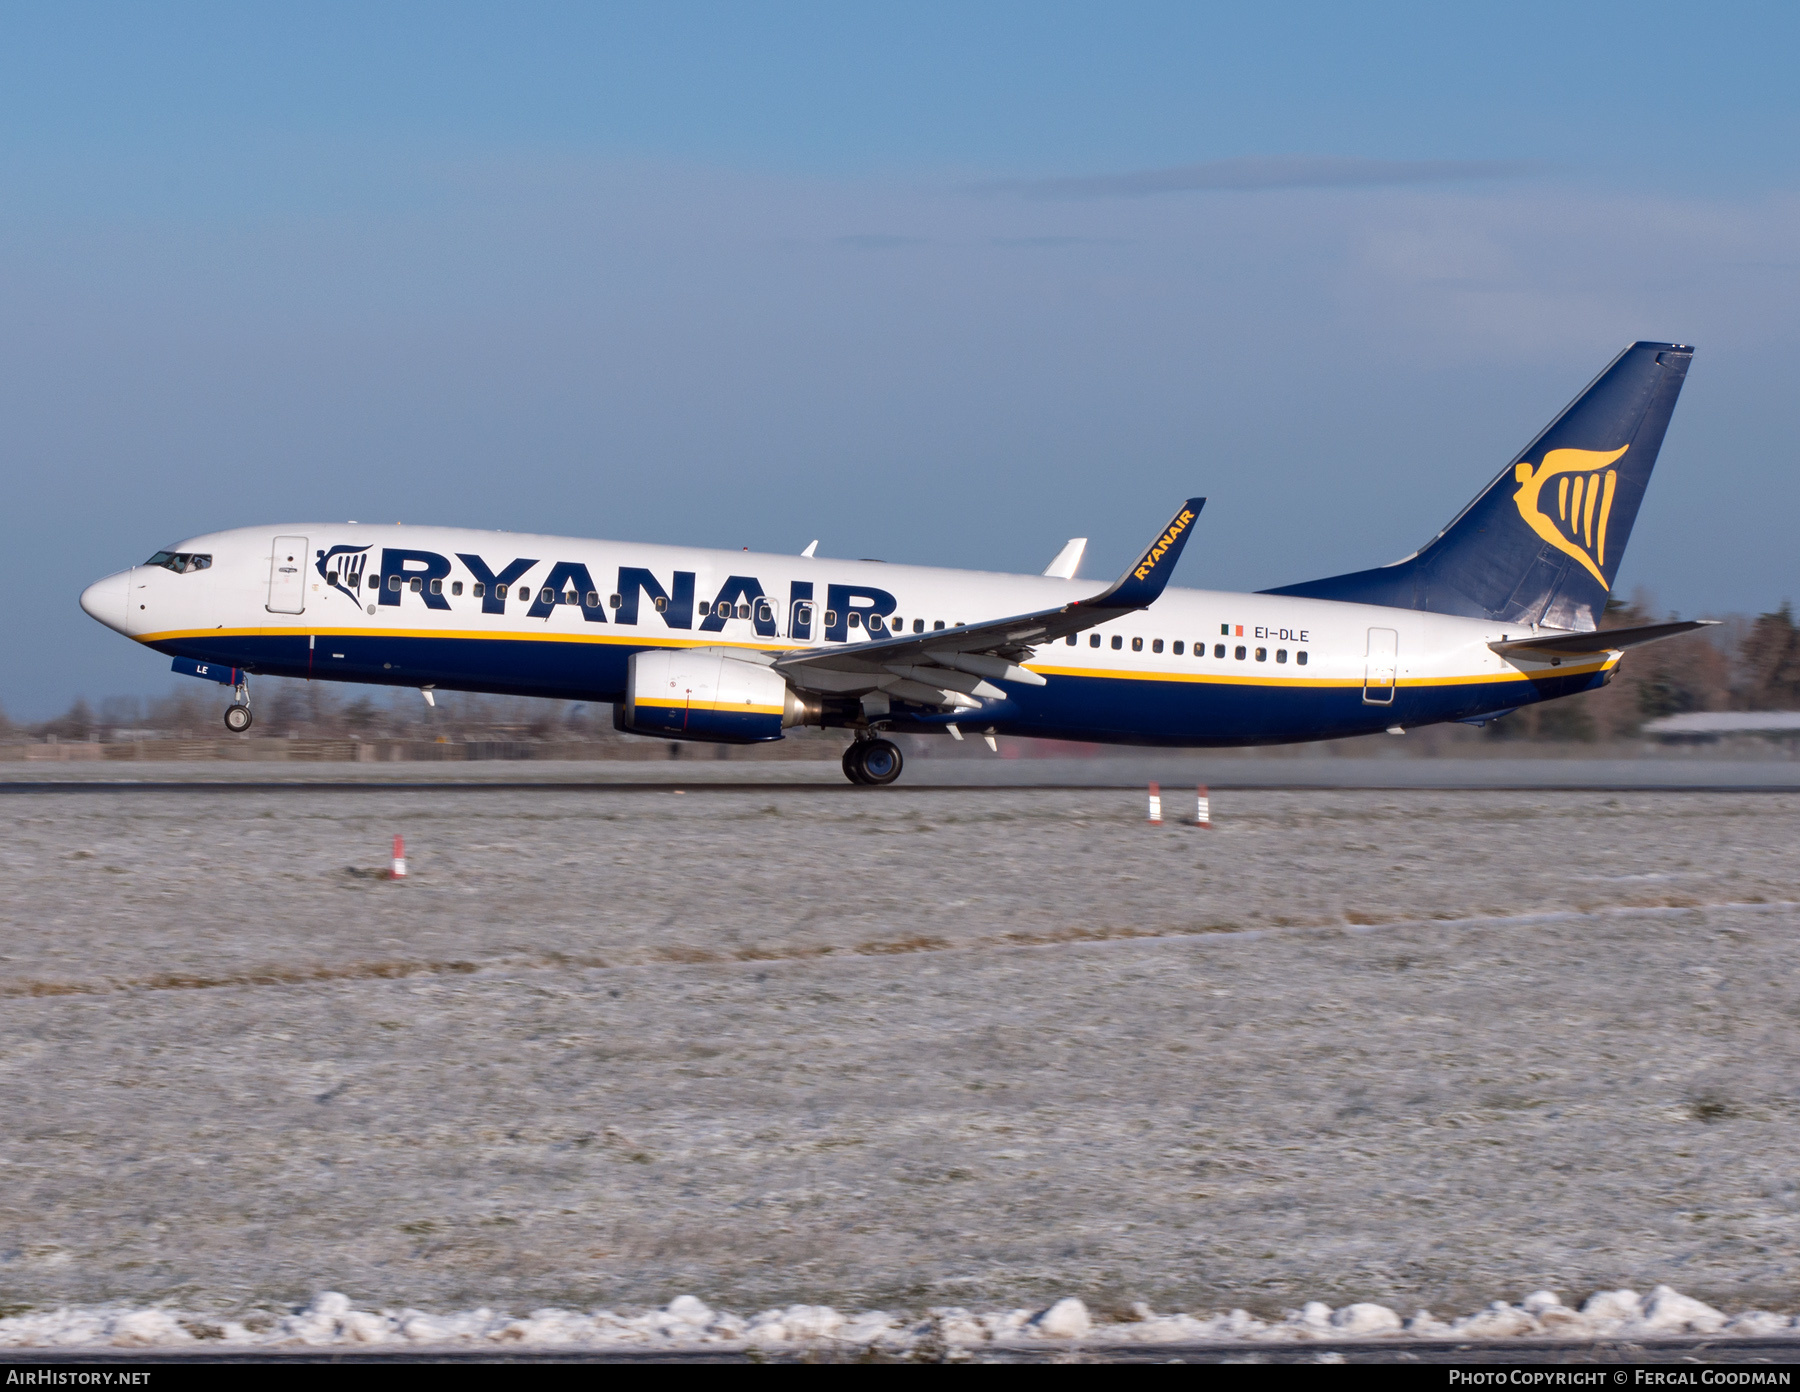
column 1161, row 545
column 436, row 581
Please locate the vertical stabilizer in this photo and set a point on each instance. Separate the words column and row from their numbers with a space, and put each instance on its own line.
column 1542, row 543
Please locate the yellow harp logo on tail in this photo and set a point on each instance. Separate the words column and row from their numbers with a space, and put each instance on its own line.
column 1573, row 519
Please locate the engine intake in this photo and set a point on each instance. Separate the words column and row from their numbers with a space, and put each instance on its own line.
column 707, row 694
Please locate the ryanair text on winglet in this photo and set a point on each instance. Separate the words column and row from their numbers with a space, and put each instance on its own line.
column 1163, row 543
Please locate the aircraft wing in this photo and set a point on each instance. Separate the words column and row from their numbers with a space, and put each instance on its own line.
column 1599, row 641
column 910, row 666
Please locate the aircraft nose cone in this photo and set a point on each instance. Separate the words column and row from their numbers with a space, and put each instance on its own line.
column 104, row 600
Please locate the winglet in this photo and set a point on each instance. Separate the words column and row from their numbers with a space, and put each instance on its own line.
column 1139, row 587
column 1068, row 560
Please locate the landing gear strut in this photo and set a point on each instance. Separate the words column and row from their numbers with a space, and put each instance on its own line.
column 873, row 763
column 237, row 715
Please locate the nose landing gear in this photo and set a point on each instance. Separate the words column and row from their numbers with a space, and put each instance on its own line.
column 237, row 715
column 873, row 763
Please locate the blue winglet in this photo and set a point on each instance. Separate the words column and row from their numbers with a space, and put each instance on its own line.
column 1139, row 586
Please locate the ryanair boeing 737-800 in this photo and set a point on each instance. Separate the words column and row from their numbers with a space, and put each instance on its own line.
column 1498, row 611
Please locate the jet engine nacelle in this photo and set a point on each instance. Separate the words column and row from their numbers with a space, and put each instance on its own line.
column 708, row 694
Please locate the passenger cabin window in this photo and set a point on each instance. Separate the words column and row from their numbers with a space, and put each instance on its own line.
column 1070, row 640
column 1240, row 654
column 855, row 619
column 1300, row 657
column 1137, row 644
column 1262, row 654
column 874, row 623
column 1118, row 642
column 1218, row 650
column 479, row 590
column 546, row 595
column 437, row 586
column 394, row 583
column 939, row 624
column 1281, row 654
column 662, row 605
column 1156, row 645
column 417, row 586
column 593, row 600
column 918, row 625
column 743, row 611
column 613, row 601
column 1178, row 647
column 899, row 625
column 764, row 614
column 500, row 592
column 1093, row 640
column 456, row 587
column 831, row 618
column 571, row 598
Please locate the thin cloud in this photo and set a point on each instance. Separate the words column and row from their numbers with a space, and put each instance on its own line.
column 879, row 241
column 1259, row 173
column 1052, row 242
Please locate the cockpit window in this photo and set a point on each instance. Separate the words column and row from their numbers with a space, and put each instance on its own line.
column 181, row 562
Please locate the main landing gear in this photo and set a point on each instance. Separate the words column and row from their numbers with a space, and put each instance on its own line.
column 874, row 763
column 237, row 715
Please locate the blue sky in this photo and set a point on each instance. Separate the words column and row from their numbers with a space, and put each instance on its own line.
column 945, row 284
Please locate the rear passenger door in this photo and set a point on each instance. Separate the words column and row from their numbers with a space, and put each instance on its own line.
column 1380, row 666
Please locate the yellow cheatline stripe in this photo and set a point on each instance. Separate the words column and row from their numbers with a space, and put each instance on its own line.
column 493, row 635
column 741, row 707
column 1197, row 678
column 1260, row 679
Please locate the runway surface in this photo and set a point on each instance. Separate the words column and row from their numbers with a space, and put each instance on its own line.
column 973, row 1048
column 1175, row 772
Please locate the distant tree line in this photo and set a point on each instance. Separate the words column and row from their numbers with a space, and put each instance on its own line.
column 1747, row 663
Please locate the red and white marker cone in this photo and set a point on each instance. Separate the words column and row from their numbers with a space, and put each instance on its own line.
column 397, row 870
column 1155, row 804
column 1203, row 818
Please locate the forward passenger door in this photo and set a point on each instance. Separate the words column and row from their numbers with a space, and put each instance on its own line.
column 287, row 576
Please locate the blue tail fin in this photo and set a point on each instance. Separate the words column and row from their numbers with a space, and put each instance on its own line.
column 1542, row 542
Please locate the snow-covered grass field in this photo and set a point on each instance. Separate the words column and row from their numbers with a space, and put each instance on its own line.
column 954, row 1049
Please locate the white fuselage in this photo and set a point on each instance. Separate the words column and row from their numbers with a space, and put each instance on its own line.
column 1196, row 667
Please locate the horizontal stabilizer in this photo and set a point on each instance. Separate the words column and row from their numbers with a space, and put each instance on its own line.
column 1601, row 641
